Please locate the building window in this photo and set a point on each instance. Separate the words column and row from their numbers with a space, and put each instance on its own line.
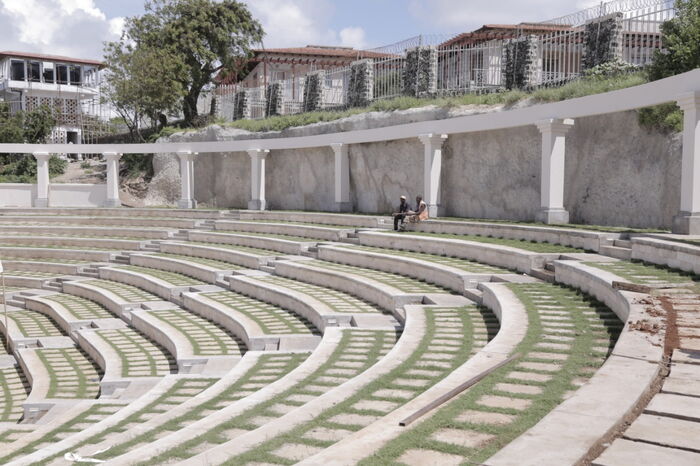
column 62, row 74
column 17, row 70
column 34, row 71
column 75, row 78
column 49, row 75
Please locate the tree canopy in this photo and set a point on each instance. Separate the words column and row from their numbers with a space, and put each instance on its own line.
column 198, row 38
column 681, row 40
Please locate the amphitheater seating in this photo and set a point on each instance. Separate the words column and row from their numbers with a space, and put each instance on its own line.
column 155, row 336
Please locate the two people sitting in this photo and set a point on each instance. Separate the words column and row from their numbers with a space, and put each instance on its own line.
column 405, row 212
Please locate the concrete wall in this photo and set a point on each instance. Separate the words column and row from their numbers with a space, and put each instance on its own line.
column 60, row 195
column 617, row 173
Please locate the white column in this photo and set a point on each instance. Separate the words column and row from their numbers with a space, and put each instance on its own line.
column 432, row 169
column 342, row 178
column 257, row 179
column 552, row 175
column 687, row 222
column 187, row 180
column 42, row 179
column 112, row 159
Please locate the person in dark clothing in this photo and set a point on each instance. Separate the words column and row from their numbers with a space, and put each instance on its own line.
column 401, row 214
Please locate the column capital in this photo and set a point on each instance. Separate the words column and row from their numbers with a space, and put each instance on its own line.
column 259, row 153
column 112, row 155
column 433, row 139
column 336, row 146
column 559, row 126
column 689, row 101
column 41, row 155
column 186, row 154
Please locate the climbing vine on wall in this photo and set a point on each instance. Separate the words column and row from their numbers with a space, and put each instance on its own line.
column 420, row 72
column 360, row 84
column 602, row 41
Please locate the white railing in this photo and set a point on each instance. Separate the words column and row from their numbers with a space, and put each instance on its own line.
column 388, row 77
column 470, row 68
column 559, row 56
column 335, row 88
column 642, row 34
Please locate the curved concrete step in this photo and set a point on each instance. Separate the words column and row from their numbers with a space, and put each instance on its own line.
column 71, row 267
column 99, row 221
column 492, row 254
column 674, row 254
column 118, row 298
column 70, row 312
column 425, row 353
column 14, row 388
column 260, row 326
column 57, row 376
column 513, row 321
column 388, row 291
column 97, row 243
column 366, row 221
column 170, row 406
column 112, row 212
column 321, row 371
column 323, row 307
column 207, row 270
column 251, row 258
column 19, row 252
column 86, row 231
column 288, row 245
column 578, row 238
column 132, row 363
column 447, row 276
column 167, row 285
column 290, row 229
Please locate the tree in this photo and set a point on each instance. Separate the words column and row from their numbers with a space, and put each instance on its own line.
column 208, row 36
column 142, row 82
column 29, row 127
column 681, row 40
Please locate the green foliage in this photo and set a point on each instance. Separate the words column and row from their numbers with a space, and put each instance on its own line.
column 206, row 36
column 85, row 165
column 32, row 127
column 142, row 82
column 666, row 118
column 681, row 37
column 609, row 69
column 579, row 88
column 134, row 165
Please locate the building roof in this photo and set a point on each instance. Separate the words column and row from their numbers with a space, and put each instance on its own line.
column 500, row 31
column 322, row 51
column 40, row 56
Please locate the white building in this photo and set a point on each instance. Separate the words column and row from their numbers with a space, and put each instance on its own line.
column 69, row 86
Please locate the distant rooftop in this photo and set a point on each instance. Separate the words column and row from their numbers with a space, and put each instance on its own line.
column 44, row 57
column 325, row 51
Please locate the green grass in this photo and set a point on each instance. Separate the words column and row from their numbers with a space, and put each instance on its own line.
column 172, row 278
column 232, row 247
column 126, row 342
column 80, row 308
column 462, row 264
column 336, row 300
column 14, row 389
column 213, row 263
column 127, row 293
column 646, row 274
column 438, row 321
column 568, row 226
column 400, row 282
column 382, row 342
column 71, row 373
column 236, row 391
column 74, row 425
column 532, row 246
column 33, row 324
column 272, row 320
column 595, row 331
column 206, row 338
column 579, row 88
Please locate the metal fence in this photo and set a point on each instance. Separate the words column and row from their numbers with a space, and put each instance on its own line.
column 477, row 63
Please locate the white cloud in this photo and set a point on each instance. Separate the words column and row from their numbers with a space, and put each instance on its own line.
column 465, row 15
column 353, row 37
column 294, row 23
column 75, row 28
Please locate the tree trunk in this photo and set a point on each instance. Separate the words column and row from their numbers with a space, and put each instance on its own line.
column 189, row 106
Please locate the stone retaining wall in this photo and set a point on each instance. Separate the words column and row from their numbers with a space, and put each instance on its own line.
column 617, row 173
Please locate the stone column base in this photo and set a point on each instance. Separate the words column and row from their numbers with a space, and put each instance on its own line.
column 39, row 202
column 435, row 210
column 187, row 204
column 112, row 203
column 257, row 204
column 687, row 223
column 553, row 216
column 343, row 206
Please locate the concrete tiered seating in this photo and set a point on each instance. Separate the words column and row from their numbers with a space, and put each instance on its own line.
column 283, row 337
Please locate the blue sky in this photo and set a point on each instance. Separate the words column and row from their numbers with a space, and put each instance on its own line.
column 78, row 27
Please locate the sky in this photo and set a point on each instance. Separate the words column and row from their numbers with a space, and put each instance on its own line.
column 78, row 28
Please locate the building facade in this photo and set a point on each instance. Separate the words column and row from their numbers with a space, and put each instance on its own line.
column 70, row 87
